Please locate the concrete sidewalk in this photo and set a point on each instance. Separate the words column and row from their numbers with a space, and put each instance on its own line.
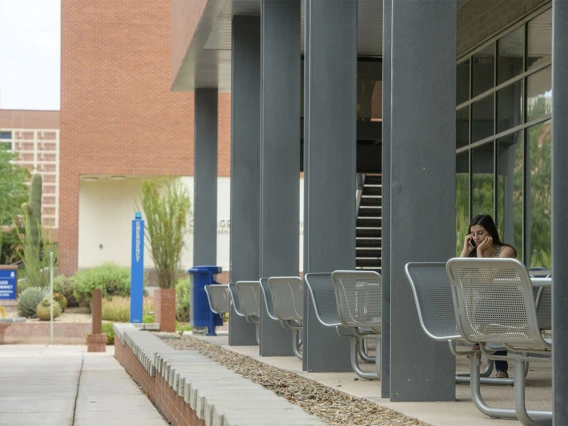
column 66, row 385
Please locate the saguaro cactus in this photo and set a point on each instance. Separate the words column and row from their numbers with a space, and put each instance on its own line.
column 33, row 208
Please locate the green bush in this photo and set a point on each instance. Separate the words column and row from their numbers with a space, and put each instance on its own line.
column 109, row 331
column 64, row 286
column 148, row 319
column 182, row 300
column 117, row 308
column 29, row 299
column 113, row 280
column 181, row 328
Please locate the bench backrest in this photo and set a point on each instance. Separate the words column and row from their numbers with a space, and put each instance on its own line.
column 494, row 302
column 235, row 299
column 433, row 298
column 218, row 297
column 358, row 297
column 267, row 296
column 287, row 297
column 249, row 295
column 322, row 294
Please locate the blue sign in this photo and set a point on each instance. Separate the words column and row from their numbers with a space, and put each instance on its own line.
column 137, row 270
column 8, row 282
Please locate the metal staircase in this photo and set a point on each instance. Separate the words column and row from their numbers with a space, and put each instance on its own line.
column 368, row 229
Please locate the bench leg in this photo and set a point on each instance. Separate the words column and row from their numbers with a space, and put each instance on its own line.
column 297, row 342
column 363, row 350
column 535, row 418
column 355, row 342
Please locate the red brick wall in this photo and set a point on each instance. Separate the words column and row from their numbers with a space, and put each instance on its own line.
column 165, row 309
column 38, row 333
column 172, row 406
column 118, row 115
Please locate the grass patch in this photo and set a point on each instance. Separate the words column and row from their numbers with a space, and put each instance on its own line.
column 117, row 308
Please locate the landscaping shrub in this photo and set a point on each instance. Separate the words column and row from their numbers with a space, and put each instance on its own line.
column 117, row 308
column 29, row 299
column 64, row 286
column 148, row 319
column 62, row 300
column 182, row 300
column 113, row 280
column 43, row 309
column 109, row 331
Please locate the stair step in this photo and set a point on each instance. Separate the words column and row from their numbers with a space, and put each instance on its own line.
column 370, row 263
column 368, row 232
column 367, row 252
column 368, row 201
column 370, row 211
column 372, row 189
column 368, row 268
column 367, row 242
column 373, row 179
column 363, row 222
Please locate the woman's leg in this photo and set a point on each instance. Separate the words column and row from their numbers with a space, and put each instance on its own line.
column 501, row 366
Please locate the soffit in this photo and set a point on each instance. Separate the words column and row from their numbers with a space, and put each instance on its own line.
column 207, row 63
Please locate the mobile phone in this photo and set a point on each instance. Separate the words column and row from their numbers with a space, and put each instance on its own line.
column 472, row 243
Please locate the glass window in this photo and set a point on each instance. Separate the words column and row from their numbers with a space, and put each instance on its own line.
column 482, row 116
column 510, row 51
column 539, row 206
column 463, row 82
column 482, row 188
column 483, row 70
column 510, row 157
column 539, row 94
column 462, row 127
column 510, row 106
column 5, row 135
column 462, row 199
column 539, row 40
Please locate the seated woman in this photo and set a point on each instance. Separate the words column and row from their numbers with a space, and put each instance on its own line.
column 482, row 240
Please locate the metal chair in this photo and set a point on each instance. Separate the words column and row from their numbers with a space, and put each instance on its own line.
column 358, row 296
column 248, row 294
column 235, row 299
column 436, row 314
column 494, row 302
column 287, row 302
column 218, row 297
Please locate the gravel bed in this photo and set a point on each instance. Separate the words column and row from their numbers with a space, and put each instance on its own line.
column 333, row 406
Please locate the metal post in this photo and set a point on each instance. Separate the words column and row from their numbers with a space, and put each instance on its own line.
column 559, row 209
column 51, row 298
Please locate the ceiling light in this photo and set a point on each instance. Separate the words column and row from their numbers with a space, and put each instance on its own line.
column 90, row 178
column 118, row 177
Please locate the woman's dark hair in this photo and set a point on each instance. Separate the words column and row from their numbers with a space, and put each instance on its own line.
column 487, row 222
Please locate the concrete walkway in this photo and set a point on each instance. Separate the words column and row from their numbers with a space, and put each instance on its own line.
column 67, row 386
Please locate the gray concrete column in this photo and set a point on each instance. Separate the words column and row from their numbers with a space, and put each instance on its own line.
column 205, row 179
column 385, row 205
column 279, row 156
column 422, row 185
column 245, row 163
column 330, row 136
column 560, row 209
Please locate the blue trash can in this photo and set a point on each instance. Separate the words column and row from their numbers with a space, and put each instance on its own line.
column 201, row 315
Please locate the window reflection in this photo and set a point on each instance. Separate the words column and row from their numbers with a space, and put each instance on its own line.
column 539, row 206
column 510, row 55
column 483, row 70
column 463, row 82
column 539, row 40
column 369, row 89
column 539, row 94
column 482, row 188
column 462, row 127
column 510, row 106
column 483, row 118
column 510, row 154
column 462, row 199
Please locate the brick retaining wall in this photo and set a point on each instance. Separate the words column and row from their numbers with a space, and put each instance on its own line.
column 172, row 406
column 38, row 333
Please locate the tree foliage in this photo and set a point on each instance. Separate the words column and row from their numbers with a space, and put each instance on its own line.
column 167, row 207
column 13, row 188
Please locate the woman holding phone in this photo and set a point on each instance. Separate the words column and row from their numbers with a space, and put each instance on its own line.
column 482, row 240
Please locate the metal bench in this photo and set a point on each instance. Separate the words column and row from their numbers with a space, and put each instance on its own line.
column 218, row 297
column 323, row 295
column 435, row 307
column 249, row 297
column 286, row 294
column 494, row 302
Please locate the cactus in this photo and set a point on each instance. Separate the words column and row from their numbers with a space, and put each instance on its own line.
column 28, row 300
column 62, row 300
column 32, row 209
column 43, row 309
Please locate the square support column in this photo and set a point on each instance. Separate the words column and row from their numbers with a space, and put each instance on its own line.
column 559, row 210
column 205, row 179
column 422, row 185
column 245, row 164
column 280, row 156
column 330, row 171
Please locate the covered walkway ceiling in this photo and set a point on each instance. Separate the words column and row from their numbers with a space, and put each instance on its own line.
column 207, row 63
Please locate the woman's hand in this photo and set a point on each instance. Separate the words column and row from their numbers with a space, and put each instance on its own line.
column 467, row 247
column 484, row 245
